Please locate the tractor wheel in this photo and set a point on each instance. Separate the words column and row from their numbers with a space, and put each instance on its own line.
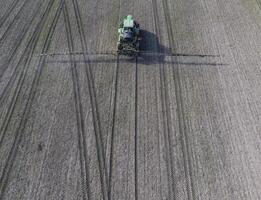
column 137, row 46
column 119, row 47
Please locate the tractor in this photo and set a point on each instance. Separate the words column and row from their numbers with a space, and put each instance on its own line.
column 128, row 36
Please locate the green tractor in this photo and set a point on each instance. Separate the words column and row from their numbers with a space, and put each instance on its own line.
column 129, row 36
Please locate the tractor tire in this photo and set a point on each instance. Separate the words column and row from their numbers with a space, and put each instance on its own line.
column 137, row 46
column 119, row 47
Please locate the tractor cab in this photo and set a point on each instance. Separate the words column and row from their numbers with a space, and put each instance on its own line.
column 128, row 36
column 128, row 40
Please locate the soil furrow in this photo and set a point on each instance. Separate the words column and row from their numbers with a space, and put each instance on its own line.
column 79, row 114
column 180, row 109
column 17, row 16
column 136, row 132
column 12, row 54
column 8, row 12
column 165, row 106
column 28, row 53
column 113, row 128
column 25, row 53
column 95, row 114
column 19, row 132
column 180, row 121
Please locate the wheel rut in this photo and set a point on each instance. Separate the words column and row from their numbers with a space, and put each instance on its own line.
column 165, row 107
column 8, row 12
column 20, row 130
column 180, row 109
column 95, row 113
column 79, row 115
column 24, row 62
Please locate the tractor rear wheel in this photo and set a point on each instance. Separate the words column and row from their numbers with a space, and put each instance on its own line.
column 119, row 47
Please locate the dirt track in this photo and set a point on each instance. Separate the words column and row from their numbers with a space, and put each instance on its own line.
column 94, row 127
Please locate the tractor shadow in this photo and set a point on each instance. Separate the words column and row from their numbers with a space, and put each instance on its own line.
column 157, row 53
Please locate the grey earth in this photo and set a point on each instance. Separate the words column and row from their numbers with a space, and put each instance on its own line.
column 181, row 125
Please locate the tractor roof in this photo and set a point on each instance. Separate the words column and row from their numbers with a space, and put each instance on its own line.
column 128, row 21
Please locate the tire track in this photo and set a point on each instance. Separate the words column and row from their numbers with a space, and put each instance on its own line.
column 136, row 131
column 258, row 3
column 113, row 118
column 113, row 127
column 19, row 39
column 79, row 115
column 17, row 16
column 95, row 114
column 180, row 110
column 33, row 90
column 12, row 54
column 8, row 12
column 24, row 61
column 165, row 107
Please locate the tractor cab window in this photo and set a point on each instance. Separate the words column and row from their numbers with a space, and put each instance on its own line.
column 128, row 29
column 128, row 36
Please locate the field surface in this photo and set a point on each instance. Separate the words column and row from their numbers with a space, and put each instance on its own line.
column 181, row 125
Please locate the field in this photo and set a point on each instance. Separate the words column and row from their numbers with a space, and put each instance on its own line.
column 181, row 125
